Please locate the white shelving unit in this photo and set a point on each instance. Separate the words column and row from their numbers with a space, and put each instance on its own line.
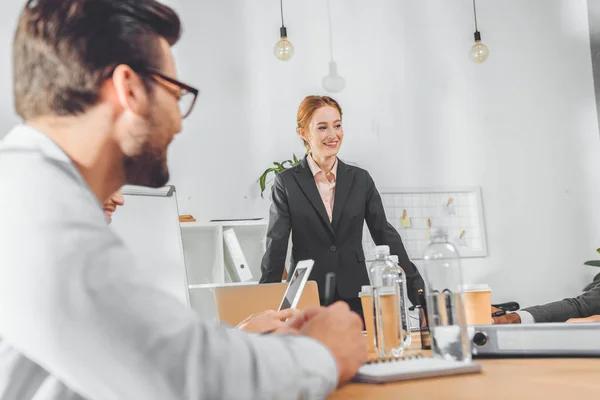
column 204, row 253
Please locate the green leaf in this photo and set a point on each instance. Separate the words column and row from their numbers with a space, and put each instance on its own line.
column 264, row 174
column 595, row 263
column 598, row 251
column 262, row 186
column 263, row 180
column 278, row 167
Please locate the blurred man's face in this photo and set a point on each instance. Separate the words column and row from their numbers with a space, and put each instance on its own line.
column 111, row 204
column 149, row 133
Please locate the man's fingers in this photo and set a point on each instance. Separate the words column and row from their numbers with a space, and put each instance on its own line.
column 298, row 320
column 311, row 312
column 286, row 314
column 357, row 320
column 342, row 305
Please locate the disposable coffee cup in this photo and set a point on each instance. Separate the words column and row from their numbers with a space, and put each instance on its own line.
column 478, row 304
column 390, row 315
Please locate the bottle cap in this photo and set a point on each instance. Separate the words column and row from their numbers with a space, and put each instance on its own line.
column 382, row 250
column 438, row 232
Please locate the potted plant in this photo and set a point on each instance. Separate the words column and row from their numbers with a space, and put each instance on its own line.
column 596, row 281
column 262, row 181
column 277, row 168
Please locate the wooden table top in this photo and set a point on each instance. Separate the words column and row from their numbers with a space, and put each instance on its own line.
column 514, row 378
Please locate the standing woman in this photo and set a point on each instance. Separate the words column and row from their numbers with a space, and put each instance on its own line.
column 325, row 202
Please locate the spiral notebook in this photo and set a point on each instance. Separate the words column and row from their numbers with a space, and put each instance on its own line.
column 410, row 368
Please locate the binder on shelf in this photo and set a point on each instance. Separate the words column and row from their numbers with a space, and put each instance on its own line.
column 235, row 262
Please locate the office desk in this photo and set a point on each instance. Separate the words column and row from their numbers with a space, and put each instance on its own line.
column 512, row 379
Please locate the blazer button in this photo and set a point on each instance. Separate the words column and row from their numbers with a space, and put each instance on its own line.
column 332, row 248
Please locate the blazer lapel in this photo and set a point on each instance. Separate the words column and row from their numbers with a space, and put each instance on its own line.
column 307, row 184
column 343, row 183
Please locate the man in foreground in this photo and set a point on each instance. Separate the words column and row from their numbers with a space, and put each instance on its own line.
column 95, row 82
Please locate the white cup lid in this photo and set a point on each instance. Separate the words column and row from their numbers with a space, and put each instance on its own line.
column 368, row 290
column 479, row 287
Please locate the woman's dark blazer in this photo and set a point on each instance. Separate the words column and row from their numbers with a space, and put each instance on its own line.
column 335, row 246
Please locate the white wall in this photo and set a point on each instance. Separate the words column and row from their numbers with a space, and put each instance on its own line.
column 416, row 113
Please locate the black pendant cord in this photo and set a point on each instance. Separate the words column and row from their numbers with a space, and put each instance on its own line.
column 474, row 15
column 476, row 35
column 282, row 30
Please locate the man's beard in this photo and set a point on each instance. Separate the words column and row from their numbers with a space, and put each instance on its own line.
column 149, row 168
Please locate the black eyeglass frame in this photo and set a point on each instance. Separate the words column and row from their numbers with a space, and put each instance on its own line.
column 181, row 85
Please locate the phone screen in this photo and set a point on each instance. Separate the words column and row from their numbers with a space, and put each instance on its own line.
column 293, row 288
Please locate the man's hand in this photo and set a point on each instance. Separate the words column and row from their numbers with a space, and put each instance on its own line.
column 495, row 310
column 340, row 330
column 293, row 325
column 267, row 321
column 511, row 318
column 593, row 318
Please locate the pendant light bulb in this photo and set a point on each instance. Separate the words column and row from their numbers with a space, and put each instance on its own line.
column 333, row 82
column 284, row 49
column 479, row 51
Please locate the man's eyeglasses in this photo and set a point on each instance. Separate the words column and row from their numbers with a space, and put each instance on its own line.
column 186, row 95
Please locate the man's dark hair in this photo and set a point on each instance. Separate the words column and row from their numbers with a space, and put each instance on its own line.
column 64, row 50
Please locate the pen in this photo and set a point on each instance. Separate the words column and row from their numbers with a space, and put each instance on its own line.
column 329, row 288
column 499, row 313
column 449, row 302
column 422, row 303
column 423, row 321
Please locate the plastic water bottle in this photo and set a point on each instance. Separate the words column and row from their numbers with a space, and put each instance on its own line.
column 402, row 295
column 445, row 299
column 387, row 325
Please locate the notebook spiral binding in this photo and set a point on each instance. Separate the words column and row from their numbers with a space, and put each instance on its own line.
column 381, row 360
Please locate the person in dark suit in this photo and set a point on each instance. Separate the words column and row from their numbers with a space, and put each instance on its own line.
column 583, row 308
column 324, row 203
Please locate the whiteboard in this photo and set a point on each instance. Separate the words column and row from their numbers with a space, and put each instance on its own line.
column 460, row 210
column 148, row 223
